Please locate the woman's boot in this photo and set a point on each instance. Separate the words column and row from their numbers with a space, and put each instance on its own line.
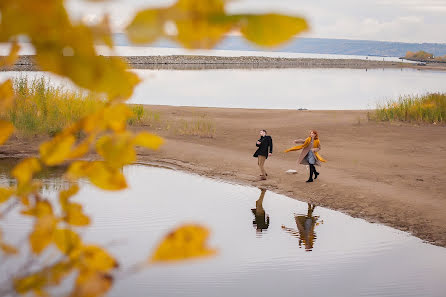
column 310, row 180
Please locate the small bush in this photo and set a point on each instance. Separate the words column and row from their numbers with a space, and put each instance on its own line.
column 430, row 108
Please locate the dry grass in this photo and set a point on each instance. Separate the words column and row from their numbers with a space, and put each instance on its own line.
column 199, row 125
column 42, row 108
column 430, row 108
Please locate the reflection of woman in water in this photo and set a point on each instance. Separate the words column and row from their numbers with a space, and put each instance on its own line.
column 305, row 228
column 309, row 155
column 261, row 221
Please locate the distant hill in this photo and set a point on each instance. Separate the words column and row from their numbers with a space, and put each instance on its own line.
column 322, row 46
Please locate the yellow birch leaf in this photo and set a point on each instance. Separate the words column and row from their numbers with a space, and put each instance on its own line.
column 148, row 140
column 6, row 94
column 64, row 195
column 5, row 194
column 186, row 242
column 116, row 116
column 81, row 149
column 57, row 150
column 41, row 209
column 25, row 170
column 29, row 283
column 147, row 26
column 8, row 249
column 12, row 56
column 117, row 150
column 6, row 129
column 92, row 284
column 41, row 293
column 99, row 174
column 271, row 29
column 66, row 240
column 74, row 215
column 42, row 235
column 93, row 258
column 102, row 32
column 59, row 271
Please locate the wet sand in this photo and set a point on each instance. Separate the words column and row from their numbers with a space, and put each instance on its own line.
column 391, row 173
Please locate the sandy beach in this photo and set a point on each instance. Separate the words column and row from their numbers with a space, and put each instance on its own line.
column 390, row 173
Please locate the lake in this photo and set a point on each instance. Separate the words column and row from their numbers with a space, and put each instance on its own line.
column 316, row 89
column 268, row 244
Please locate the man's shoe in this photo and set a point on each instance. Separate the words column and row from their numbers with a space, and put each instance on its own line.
column 316, row 174
column 262, row 177
column 310, row 180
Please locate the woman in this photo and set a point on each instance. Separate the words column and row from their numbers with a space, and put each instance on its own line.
column 309, row 155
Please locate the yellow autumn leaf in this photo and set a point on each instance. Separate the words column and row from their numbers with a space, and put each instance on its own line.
column 6, row 94
column 64, row 195
column 117, row 149
column 66, row 240
column 116, row 116
column 66, row 48
column 74, row 215
column 6, row 129
column 186, row 242
column 93, row 258
column 102, row 32
column 200, row 24
column 25, row 170
column 147, row 26
column 12, row 56
column 59, row 271
column 7, row 248
column 99, row 174
column 270, row 29
column 57, row 150
column 40, row 209
column 42, row 234
column 5, row 194
column 29, row 283
column 92, row 284
column 148, row 140
column 82, row 148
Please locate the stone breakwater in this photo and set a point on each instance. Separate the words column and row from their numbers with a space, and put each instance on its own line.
column 190, row 62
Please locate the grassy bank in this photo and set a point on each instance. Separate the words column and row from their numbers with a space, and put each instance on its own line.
column 430, row 108
column 40, row 107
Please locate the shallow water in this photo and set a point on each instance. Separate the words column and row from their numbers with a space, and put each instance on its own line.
column 268, row 244
column 317, row 89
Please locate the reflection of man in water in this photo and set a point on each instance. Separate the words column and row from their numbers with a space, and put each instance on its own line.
column 305, row 225
column 261, row 221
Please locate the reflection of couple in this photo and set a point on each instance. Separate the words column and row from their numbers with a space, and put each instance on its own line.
column 305, row 228
column 261, row 221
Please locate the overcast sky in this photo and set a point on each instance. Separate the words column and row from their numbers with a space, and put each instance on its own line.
column 390, row 20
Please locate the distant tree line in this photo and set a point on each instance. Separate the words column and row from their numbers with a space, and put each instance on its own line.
column 424, row 57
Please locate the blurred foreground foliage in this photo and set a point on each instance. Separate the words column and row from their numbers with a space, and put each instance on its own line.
column 67, row 48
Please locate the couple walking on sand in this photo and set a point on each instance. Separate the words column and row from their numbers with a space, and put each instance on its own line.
column 309, row 155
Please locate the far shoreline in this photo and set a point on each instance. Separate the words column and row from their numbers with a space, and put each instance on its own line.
column 201, row 62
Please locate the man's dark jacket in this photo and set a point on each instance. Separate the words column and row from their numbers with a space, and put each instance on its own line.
column 265, row 143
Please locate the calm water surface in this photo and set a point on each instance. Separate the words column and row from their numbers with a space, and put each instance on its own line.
column 278, row 88
column 269, row 244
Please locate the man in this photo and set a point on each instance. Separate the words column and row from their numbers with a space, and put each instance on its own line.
column 265, row 149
